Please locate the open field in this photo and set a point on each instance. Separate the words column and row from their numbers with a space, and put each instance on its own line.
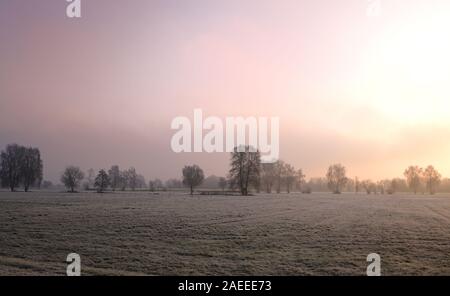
column 175, row 234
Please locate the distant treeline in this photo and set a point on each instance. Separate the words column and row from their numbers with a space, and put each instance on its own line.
column 22, row 167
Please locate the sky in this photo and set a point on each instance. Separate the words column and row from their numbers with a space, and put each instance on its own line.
column 368, row 90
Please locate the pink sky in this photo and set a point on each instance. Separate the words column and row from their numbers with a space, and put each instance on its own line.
column 372, row 93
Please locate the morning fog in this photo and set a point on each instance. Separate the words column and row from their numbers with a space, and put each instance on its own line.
column 213, row 134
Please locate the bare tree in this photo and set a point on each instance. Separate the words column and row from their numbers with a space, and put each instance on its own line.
column 47, row 184
column 171, row 183
column 10, row 166
column 280, row 173
column 394, row 187
column 31, row 167
column 413, row 176
column 72, row 177
column 289, row 175
column 101, row 181
column 268, row 176
column 245, row 168
column 90, row 179
column 132, row 178
column 192, row 177
column 123, row 180
column 357, row 185
column 369, row 186
column 366, row 185
column 114, row 177
column 300, row 179
column 223, row 183
column 140, row 182
column 432, row 179
column 156, row 184
column 151, row 185
column 336, row 178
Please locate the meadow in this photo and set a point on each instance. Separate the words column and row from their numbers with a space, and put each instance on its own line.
column 140, row 233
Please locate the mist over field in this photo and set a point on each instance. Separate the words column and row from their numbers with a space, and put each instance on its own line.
column 256, row 137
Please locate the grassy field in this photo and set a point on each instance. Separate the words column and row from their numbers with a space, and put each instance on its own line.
column 175, row 234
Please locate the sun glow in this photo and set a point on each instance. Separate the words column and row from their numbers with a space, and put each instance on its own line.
column 407, row 71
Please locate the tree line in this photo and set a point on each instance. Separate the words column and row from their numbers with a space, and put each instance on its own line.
column 114, row 178
column 23, row 166
column 247, row 172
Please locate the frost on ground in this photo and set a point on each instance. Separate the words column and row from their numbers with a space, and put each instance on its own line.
column 175, row 234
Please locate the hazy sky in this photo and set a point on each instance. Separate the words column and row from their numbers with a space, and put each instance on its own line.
column 371, row 92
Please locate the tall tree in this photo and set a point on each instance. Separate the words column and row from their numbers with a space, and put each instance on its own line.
column 90, row 179
column 336, row 178
column 268, row 176
column 357, row 185
column 72, row 177
column 290, row 175
column 245, row 168
column 31, row 167
column 192, row 177
column 114, row 177
column 132, row 178
column 101, row 181
column 300, row 176
column 279, row 173
column 11, row 160
column 413, row 176
column 432, row 179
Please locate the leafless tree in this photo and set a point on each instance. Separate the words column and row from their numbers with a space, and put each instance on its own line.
column 156, row 184
column 101, row 181
column 357, row 185
column 123, row 180
column 90, row 179
column 10, row 166
column 47, row 184
column 72, row 177
column 140, row 182
column 130, row 178
column 289, row 176
column 223, row 183
column 20, row 165
column 413, row 176
column 31, row 167
column 393, row 188
column 192, row 177
column 171, row 183
column 114, row 177
column 432, row 179
column 369, row 186
column 300, row 179
column 268, row 176
column 336, row 178
column 245, row 168
column 279, row 173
